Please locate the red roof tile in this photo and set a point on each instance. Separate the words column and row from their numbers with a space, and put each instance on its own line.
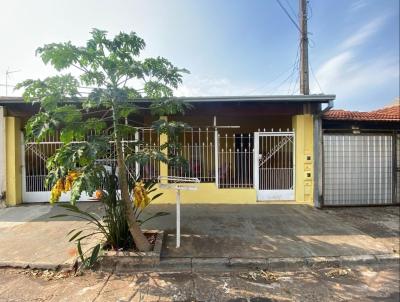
column 391, row 114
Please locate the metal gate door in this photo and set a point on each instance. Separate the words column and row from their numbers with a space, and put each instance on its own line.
column 358, row 169
column 274, row 165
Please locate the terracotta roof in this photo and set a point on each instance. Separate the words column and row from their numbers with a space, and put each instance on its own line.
column 386, row 114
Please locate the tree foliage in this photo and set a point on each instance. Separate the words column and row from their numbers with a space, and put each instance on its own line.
column 99, row 86
column 108, row 67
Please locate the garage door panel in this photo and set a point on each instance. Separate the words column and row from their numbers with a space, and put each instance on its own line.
column 358, row 169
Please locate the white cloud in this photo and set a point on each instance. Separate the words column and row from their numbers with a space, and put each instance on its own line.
column 362, row 35
column 208, row 86
column 285, row 83
column 356, row 5
column 345, row 76
column 348, row 76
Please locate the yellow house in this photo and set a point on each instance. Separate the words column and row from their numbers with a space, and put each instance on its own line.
column 244, row 149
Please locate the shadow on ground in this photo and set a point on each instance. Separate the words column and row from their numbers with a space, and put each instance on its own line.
column 248, row 231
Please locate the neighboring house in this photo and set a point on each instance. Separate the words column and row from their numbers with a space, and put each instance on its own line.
column 243, row 149
column 361, row 157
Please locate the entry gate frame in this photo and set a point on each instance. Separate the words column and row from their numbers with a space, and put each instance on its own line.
column 264, row 195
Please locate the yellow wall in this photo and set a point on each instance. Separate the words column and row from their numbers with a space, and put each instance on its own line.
column 209, row 193
column 304, row 158
column 304, row 142
column 164, row 140
column 13, row 161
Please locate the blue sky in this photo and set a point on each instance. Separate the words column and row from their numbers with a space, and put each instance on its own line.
column 238, row 47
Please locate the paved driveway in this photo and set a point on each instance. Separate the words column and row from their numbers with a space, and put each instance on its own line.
column 28, row 235
column 267, row 231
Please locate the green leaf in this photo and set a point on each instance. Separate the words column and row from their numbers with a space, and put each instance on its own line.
column 95, row 254
column 59, row 55
column 59, row 216
column 156, row 90
column 158, row 214
column 156, row 196
column 86, row 112
column 80, row 253
column 75, row 235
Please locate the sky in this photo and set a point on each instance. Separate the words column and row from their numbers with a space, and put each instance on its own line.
column 230, row 47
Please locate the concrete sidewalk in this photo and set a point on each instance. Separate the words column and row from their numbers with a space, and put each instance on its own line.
column 29, row 237
column 263, row 231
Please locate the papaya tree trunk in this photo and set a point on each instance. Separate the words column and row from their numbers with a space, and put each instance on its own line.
column 139, row 238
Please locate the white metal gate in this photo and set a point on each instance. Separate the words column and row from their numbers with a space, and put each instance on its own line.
column 274, row 165
column 35, row 155
column 34, row 170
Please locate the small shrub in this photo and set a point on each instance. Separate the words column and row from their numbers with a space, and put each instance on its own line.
column 112, row 228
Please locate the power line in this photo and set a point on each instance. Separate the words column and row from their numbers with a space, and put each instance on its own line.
column 292, row 68
column 290, row 75
column 295, row 86
column 291, row 7
column 315, row 78
column 289, row 16
column 297, row 61
column 270, row 82
column 285, row 80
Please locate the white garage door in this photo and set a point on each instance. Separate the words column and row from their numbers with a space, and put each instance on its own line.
column 359, row 169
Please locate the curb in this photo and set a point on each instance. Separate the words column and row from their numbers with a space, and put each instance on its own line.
column 197, row 264
column 290, row 263
column 225, row 264
column 31, row 265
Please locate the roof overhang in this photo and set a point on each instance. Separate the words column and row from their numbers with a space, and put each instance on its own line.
column 313, row 98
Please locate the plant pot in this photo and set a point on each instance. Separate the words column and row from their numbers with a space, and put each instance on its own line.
column 130, row 261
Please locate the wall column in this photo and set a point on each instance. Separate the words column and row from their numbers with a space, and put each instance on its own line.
column 164, row 140
column 13, row 161
column 304, row 157
column 2, row 152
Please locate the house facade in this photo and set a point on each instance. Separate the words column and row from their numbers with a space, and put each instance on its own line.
column 242, row 149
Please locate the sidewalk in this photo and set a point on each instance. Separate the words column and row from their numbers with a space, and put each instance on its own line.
column 212, row 235
column 29, row 237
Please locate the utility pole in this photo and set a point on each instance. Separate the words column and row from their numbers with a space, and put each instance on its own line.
column 304, row 79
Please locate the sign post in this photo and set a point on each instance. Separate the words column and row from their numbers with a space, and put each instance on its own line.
column 178, row 184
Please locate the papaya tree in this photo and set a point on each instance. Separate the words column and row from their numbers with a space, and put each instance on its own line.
column 100, row 85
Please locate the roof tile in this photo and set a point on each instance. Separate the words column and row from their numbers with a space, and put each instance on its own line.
column 391, row 113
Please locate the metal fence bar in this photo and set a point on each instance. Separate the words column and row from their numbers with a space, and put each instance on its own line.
column 198, row 150
column 235, row 161
column 36, row 155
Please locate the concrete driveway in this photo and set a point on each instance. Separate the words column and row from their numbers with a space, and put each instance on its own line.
column 268, row 231
column 29, row 236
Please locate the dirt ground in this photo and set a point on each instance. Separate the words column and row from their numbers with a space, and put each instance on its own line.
column 330, row 284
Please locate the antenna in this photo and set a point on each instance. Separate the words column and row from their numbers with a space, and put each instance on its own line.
column 8, row 72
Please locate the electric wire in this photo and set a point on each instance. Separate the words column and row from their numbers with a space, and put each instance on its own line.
column 288, row 15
